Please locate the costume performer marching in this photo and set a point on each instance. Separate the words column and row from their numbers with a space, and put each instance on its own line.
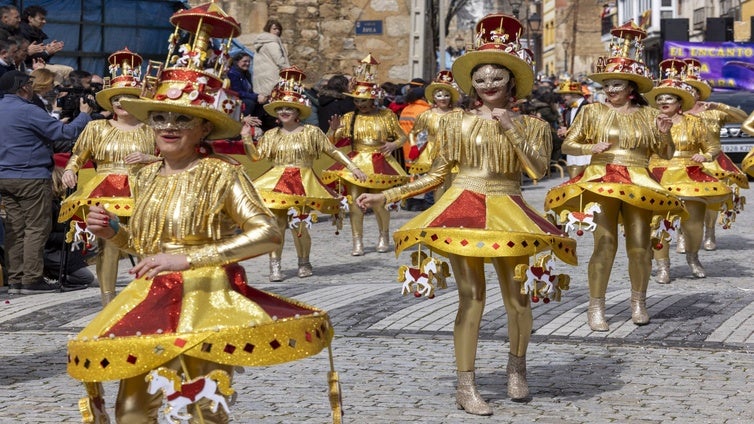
column 572, row 95
column 443, row 95
column 373, row 135
column 620, row 134
column 482, row 217
column 190, row 316
column 722, row 167
column 291, row 189
column 117, row 147
column 683, row 175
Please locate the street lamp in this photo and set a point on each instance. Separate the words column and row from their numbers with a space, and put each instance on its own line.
column 566, row 44
column 516, row 6
column 534, row 22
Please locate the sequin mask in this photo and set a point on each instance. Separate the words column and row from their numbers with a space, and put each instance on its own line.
column 441, row 95
column 615, row 86
column 284, row 110
column 115, row 101
column 666, row 99
column 173, row 121
column 489, row 77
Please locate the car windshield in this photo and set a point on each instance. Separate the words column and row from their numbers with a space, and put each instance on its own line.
column 739, row 99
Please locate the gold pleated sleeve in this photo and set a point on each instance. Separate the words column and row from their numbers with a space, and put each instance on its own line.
column 597, row 123
column 422, row 124
column 701, row 138
column 373, row 130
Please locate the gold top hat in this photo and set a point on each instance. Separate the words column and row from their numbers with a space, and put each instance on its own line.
column 443, row 81
column 195, row 80
column 364, row 83
column 290, row 92
column 672, row 71
column 627, row 39
column 569, row 87
column 125, row 73
column 497, row 42
column 693, row 78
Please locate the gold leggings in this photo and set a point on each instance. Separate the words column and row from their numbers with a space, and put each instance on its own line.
column 301, row 238
column 135, row 405
column 469, row 276
column 692, row 228
column 107, row 269
column 357, row 216
column 636, row 224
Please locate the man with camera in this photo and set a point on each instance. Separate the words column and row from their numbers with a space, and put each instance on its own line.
column 78, row 87
column 25, row 178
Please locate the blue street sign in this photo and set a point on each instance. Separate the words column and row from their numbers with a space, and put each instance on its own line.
column 368, row 27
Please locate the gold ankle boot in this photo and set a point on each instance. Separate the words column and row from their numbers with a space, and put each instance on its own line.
column 639, row 313
column 276, row 273
column 663, row 271
column 518, row 388
column 467, row 396
column 681, row 244
column 383, row 244
column 696, row 267
column 358, row 246
column 595, row 314
column 304, row 267
column 709, row 238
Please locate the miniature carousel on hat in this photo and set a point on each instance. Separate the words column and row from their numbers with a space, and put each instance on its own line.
column 497, row 41
column 125, row 76
column 672, row 72
column 443, row 81
column 194, row 81
column 569, row 87
column 289, row 92
column 625, row 60
column 364, row 83
column 693, row 77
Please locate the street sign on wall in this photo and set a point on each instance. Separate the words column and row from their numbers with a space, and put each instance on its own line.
column 368, row 27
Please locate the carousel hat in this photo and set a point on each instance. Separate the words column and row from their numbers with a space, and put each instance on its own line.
column 290, row 92
column 672, row 72
column 125, row 76
column 569, row 87
column 364, row 83
column 194, row 83
column 693, row 78
column 627, row 38
column 443, row 81
column 497, row 42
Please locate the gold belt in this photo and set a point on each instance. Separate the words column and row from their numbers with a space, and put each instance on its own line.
column 113, row 168
column 630, row 160
column 493, row 187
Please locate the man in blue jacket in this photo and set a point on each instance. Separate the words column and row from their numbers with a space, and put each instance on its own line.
column 27, row 134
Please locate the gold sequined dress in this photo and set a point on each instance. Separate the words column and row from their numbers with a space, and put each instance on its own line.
column 621, row 171
column 722, row 167
column 427, row 124
column 108, row 147
column 292, row 181
column 682, row 176
column 212, row 213
column 366, row 134
column 483, row 213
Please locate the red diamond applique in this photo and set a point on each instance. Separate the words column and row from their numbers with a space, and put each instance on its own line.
column 229, row 349
column 464, row 243
column 131, row 359
column 180, row 342
column 495, row 246
column 448, row 240
column 308, row 337
column 248, row 348
column 274, row 344
column 434, row 237
column 510, row 244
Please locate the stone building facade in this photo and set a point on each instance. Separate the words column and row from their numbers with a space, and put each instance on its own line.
column 320, row 35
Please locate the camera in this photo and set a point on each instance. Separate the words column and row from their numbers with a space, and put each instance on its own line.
column 69, row 103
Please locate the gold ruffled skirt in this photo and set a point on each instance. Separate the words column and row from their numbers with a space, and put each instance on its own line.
column 109, row 190
column 383, row 171
column 283, row 187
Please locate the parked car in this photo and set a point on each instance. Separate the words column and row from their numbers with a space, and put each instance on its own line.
column 735, row 142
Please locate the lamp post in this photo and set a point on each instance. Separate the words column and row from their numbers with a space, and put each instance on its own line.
column 534, row 22
column 516, row 7
column 566, row 44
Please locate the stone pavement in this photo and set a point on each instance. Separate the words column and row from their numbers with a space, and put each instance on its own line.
column 692, row 364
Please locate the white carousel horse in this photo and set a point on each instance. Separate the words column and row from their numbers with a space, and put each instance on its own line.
column 296, row 218
column 731, row 208
column 178, row 394
column 577, row 220
column 666, row 229
column 541, row 279
column 419, row 278
column 79, row 236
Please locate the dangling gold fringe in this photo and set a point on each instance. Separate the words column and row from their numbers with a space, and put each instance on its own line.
column 490, row 145
column 637, row 129
column 293, row 148
column 156, row 203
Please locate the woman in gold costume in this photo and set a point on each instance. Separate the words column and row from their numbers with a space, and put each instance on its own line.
column 189, row 316
column 683, row 175
column 373, row 135
column 715, row 115
column 482, row 217
column 117, row 147
column 291, row 182
column 443, row 95
column 620, row 134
